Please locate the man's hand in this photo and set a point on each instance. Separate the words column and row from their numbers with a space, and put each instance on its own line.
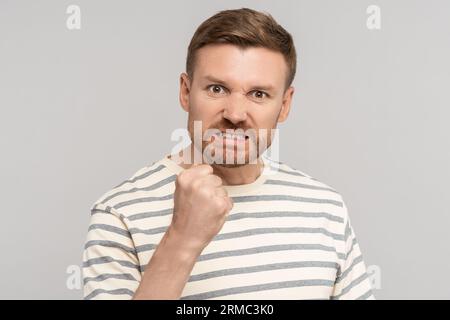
column 201, row 205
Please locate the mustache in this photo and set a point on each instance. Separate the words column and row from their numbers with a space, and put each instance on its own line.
column 222, row 127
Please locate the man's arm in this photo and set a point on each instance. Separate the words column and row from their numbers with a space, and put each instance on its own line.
column 169, row 269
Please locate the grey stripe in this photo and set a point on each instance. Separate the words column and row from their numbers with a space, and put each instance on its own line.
column 142, row 176
column 149, row 188
column 115, row 292
column 351, row 285
column 149, row 231
column 139, row 200
column 112, row 244
column 266, row 267
column 150, row 214
column 262, row 249
column 107, row 259
column 259, row 287
column 255, row 250
column 237, row 199
column 242, row 215
column 298, row 185
column 348, row 231
column 97, row 210
column 107, row 210
column 366, row 295
column 110, row 228
column 293, row 173
column 341, row 276
column 145, row 247
column 250, row 232
column 268, row 214
column 284, row 197
column 122, row 276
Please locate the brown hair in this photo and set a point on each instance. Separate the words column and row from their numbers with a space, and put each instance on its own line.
column 244, row 28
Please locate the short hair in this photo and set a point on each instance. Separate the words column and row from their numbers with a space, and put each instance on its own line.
column 244, row 28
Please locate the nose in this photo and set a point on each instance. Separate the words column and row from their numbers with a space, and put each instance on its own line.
column 236, row 110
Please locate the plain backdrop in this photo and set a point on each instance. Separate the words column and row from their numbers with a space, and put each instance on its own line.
column 82, row 110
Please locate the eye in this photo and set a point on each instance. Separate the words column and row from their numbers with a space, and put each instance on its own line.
column 216, row 89
column 258, row 94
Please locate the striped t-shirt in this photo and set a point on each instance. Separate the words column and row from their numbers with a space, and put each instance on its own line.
column 288, row 236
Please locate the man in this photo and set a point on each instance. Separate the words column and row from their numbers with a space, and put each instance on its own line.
column 254, row 229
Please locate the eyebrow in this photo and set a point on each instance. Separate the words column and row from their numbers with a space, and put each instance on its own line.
column 255, row 87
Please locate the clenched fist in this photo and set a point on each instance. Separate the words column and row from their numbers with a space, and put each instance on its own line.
column 201, row 205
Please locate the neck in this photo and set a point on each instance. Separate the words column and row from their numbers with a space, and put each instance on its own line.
column 230, row 174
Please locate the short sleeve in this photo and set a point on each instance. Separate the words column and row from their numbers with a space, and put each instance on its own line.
column 352, row 281
column 111, row 268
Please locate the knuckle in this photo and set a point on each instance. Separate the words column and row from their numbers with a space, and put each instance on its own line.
column 206, row 192
column 181, row 180
column 206, row 168
column 195, row 185
column 222, row 204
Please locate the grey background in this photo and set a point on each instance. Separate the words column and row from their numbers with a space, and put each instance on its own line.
column 82, row 110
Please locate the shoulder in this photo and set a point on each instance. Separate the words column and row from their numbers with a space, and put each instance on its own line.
column 151, row 180
column 281, row 170
column 284, row 175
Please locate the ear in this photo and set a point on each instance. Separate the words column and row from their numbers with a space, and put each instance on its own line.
column 185, row 89
column 286, row 106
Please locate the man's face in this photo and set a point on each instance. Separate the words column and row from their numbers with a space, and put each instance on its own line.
column 235, row 88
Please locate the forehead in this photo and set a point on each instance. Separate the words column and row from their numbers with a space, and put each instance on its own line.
column 241, row 65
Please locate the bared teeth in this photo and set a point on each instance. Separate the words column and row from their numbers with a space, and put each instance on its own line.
column 231, row 136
